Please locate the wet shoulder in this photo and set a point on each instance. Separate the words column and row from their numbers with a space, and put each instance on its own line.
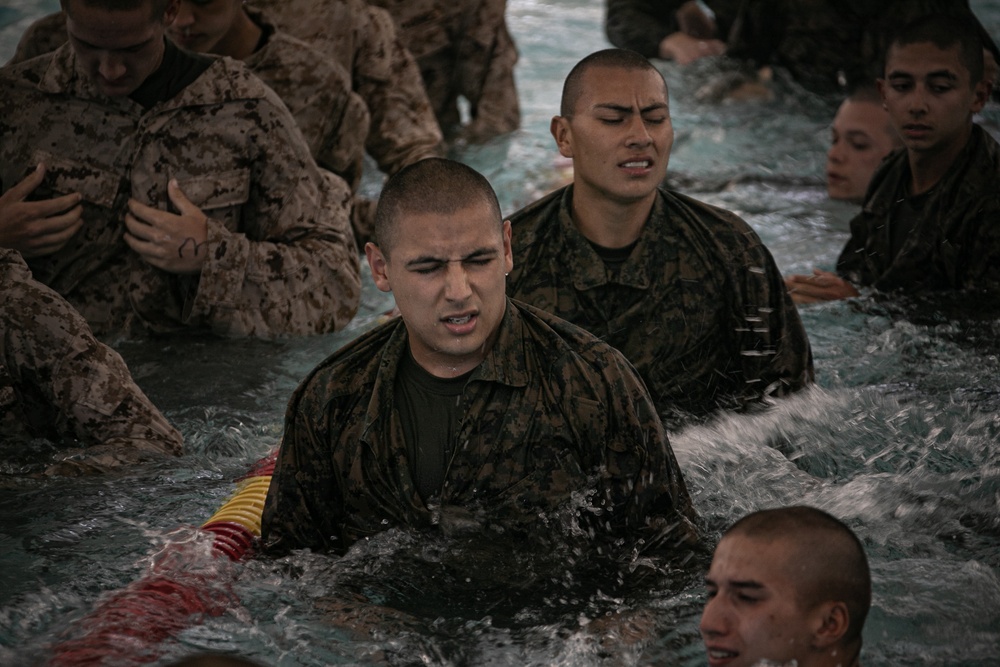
column 353, row 368
column 534, row 222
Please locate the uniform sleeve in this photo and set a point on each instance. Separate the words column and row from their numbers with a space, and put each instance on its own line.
column 983, row 272
column 293, row 269
column 403, row 127
column 775, row 353
column 487, row 73
column 86, row 386
column 301, row 510
column 640, row 25
column 44, row 35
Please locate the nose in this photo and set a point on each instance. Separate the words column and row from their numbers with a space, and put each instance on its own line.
column 714, row 618
column 638, row 132
column 836, row 153
column 918, row 101
column 457, row 286
column 111, row 67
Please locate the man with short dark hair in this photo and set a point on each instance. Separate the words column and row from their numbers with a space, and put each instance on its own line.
column 167, row 190
column 929, row 220
column 686, row 291
column 787, row 586
column 469, row 410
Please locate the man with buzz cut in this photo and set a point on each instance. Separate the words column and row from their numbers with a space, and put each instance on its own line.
column 469, row 409
column 160, row 190
column 685, row 290
column 929, row 220
column 787, row 586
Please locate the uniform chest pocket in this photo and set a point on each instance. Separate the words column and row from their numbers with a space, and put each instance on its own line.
column 219, row 196
column 63, row 176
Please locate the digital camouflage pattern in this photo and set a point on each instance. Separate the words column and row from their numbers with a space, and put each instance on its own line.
column 281, row 255
column 58, row 382
column 699, row 307
column 550, row 413
column 317, row 90
column 463, row 49
column 956, row 242
column 363, row 40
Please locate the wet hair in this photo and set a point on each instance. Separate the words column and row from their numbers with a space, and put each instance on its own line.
column 865, row 92
column 157, row 7
column 833, row 560
column 432, row 185
column 945, row 31
column 614, row 58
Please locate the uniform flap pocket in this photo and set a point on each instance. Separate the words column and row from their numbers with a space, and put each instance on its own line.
column 210, row 191
column 64, row 176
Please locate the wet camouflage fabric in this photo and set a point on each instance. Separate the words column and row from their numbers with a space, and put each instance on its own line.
column 548, row 407
column 58, row 382
column 699, row 307
column 363, row 40
column 821, row 42
column 44, row 35
column 956, row 242
column 463, row 49
column 281, row 255
column 640, row 25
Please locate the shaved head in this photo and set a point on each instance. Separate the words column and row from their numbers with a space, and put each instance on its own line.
column 608, row 58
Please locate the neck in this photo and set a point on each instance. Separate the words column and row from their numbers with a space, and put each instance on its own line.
column 610, row 223
column 241, row 40
column 927, row 168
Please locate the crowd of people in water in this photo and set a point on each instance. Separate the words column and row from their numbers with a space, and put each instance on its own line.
column 171, row 166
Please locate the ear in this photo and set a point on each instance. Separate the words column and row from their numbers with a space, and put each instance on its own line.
column 561, row 132
column 378, row 264
column 508, row 254
column 981, row 94
column 880, row 83
column 170, row 13
column 830, row 623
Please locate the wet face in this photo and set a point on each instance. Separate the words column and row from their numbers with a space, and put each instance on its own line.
column 619, row 136
column 752, row 612
column 448, row 276
column 206, row 26
column 930, row 98
column 119, row 49
column 861, row 136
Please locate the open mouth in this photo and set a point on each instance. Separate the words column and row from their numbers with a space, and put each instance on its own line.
column 458, row 320
column 637, row 164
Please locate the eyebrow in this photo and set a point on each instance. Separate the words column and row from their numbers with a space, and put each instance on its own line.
column 479, row 253
column 611, row 106
column 743, row 585
column 937, row 74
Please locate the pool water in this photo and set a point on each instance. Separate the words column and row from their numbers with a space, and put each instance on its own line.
column 901, row 439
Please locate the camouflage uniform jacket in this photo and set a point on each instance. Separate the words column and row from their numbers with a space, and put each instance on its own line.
column 955, row 243
column 363, row 40
column 58, row 382
column 317, row 90
column 281, row 255
column 699, row 306
column 462, row 49
column 549, row 413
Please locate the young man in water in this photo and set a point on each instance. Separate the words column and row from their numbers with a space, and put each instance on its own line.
column 861, row 137
column 929, row 221
column 787, row 586
column 468, row 410
column 686, row 291
column 166, row 190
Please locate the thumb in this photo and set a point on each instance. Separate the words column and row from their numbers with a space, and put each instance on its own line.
column 28, row 184
column 180, row 200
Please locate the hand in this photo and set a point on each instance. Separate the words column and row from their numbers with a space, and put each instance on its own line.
column 691, row 20
column 685, row 49
column 38, row 228
column 173, row 242
column 820, row 286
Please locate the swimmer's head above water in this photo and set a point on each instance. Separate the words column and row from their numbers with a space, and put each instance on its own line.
column 786, row 585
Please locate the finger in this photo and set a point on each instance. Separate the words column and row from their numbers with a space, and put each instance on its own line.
column 180, row 200
column 28, row 184
column 44, row 208
column 144, row 214
column 140, row 229
column 150, row 252
column 52, row 241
